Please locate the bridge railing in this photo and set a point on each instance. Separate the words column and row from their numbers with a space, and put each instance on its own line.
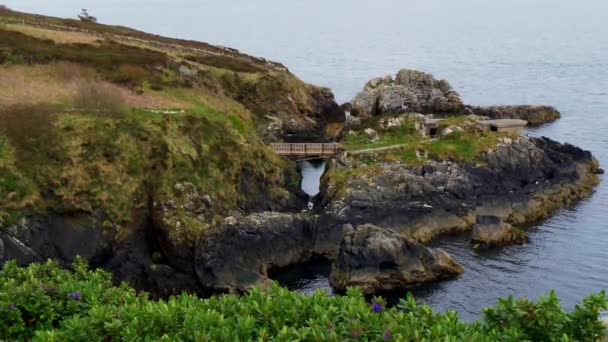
column 305, row 149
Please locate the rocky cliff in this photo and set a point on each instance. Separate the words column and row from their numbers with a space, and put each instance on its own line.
column 409, row 91
column 147, row 155
column 128, row 148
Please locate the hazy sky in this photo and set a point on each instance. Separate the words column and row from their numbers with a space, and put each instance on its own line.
column 182, row 17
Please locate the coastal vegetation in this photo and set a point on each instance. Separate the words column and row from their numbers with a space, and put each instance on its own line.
column 43, row 302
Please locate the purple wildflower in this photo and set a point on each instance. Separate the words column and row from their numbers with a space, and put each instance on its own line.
column 355, row 333
column 330, row 327
column 75, row 295
column 12, row 307
column 388, row 335
column 377, row 307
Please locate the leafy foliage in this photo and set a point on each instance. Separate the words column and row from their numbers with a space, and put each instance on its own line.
column 45, row 303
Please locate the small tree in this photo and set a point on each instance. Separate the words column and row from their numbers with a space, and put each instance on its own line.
column 84, row 16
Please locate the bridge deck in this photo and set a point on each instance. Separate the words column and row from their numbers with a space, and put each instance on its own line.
column 305, row 149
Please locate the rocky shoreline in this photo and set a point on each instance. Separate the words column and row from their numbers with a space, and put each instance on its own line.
column 372, row 224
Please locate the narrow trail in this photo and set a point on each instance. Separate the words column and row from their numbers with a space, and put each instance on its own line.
column 375, row 149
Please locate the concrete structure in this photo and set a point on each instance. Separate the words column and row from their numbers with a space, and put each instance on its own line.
column 428, row 127
column 514, row 126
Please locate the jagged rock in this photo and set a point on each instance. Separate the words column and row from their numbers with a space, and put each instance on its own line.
column 533, row 114
column 364, row 104
column 451, row 129
column 388, row 123
column 377, row 82
column 187, row 72
column 520, row 182
column 239, row 253
column 490, row 231
column 169, row 281
column 392, row 99
column 372, row 134
column 377, row 259
column 352, row 121
column 410, row 91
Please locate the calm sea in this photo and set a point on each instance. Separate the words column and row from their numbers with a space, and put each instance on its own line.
column 493, row 52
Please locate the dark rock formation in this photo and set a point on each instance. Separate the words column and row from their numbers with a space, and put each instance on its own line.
column 411, row 90
column 377, row 259
column 491, row 231
column 126, row 252
column 239, row 253
column 522, row 181
column 533, row 114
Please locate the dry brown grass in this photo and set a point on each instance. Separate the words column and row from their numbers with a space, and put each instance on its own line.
column 59, row 83
column 59, row 37
column 100, row 99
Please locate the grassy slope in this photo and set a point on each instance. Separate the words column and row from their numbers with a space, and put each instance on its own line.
column 66, row 148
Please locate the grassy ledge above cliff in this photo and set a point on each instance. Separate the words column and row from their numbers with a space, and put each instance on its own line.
column 85, row 162
column 104, row 119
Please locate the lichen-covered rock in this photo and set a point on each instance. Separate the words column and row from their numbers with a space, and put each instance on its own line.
column 533, row 114
column 411, row 90
column 364, row 104
column 372, row 134
column 377, row 259
column 490, row 231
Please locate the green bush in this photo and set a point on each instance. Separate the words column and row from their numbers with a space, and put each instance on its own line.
column 45, row 303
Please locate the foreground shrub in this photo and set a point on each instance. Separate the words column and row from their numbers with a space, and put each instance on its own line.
column 45, row 303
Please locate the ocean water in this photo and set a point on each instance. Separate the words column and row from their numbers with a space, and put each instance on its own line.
column 510, row 52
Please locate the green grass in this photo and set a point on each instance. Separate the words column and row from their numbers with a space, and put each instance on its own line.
column 400, row 135
column 227, row 62
column 46, row 303
column 114, row 163
column 109, row 56
column 17, row 191
column 462, row 146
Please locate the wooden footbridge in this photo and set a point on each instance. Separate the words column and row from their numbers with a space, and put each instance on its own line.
column 306, row 150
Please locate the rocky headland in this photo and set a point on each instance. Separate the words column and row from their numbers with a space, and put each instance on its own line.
column 419, row 92
column 168, row 182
